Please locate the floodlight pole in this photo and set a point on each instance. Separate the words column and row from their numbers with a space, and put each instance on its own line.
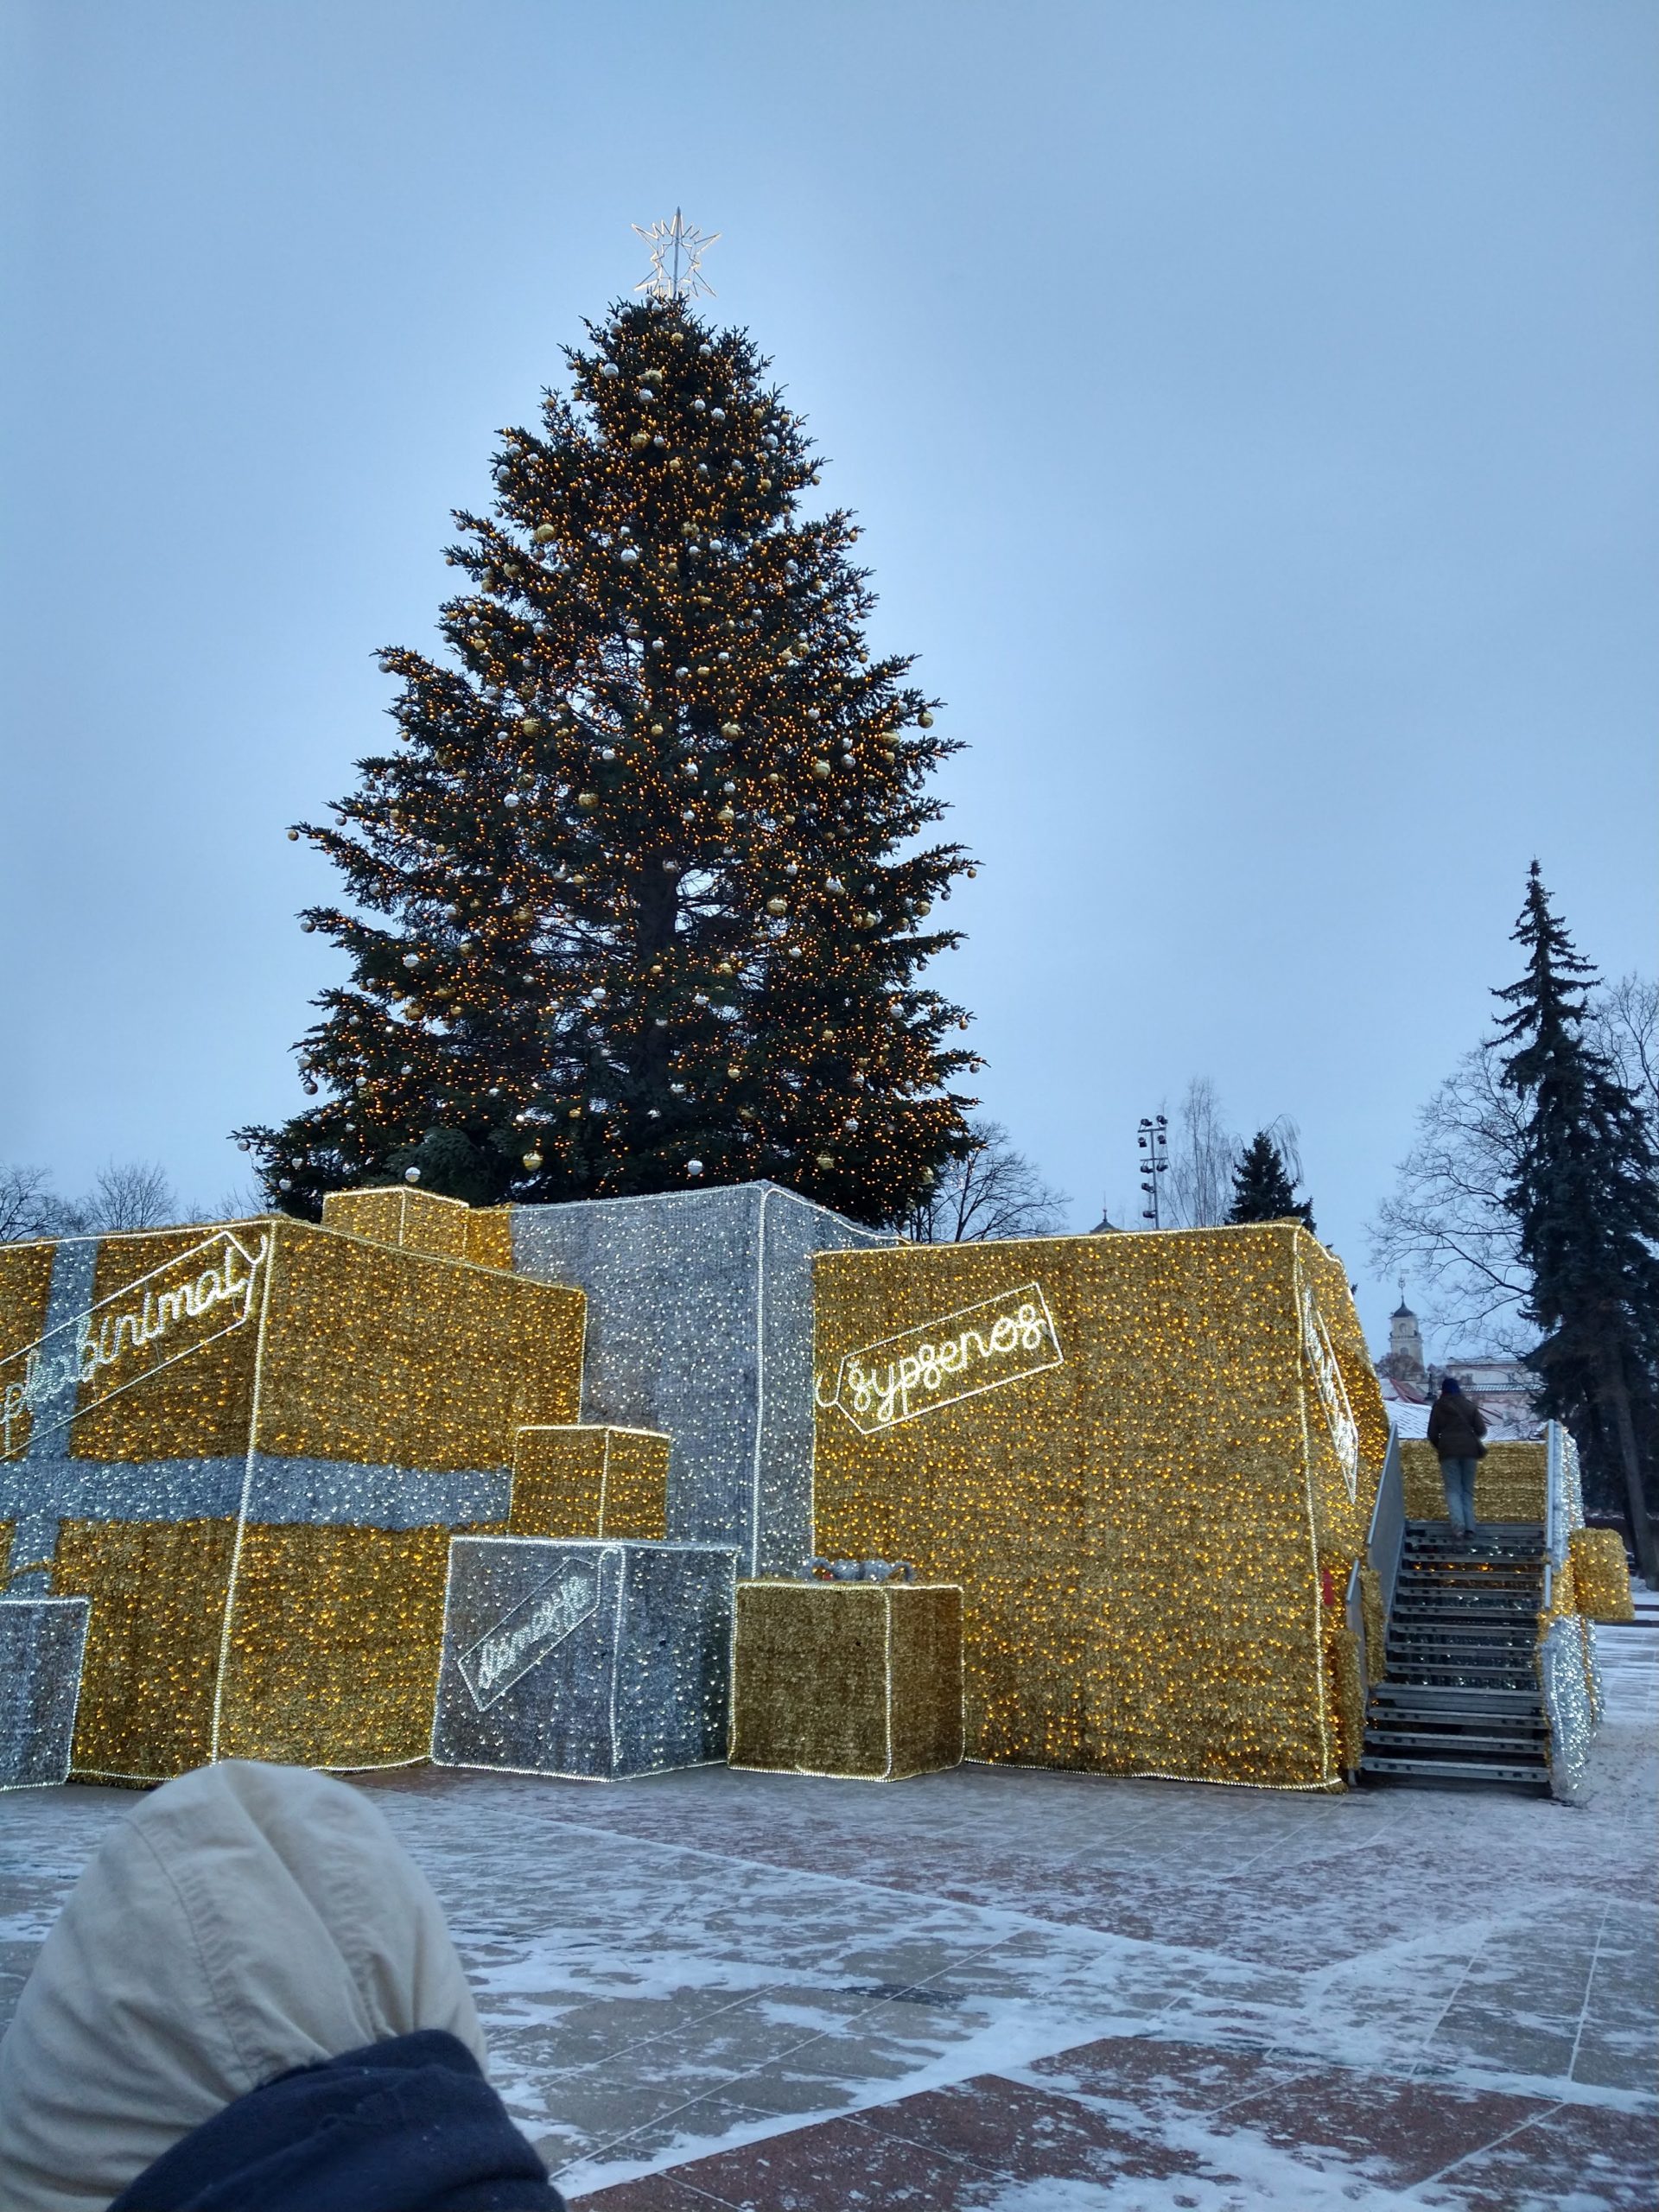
column 1152, row 1157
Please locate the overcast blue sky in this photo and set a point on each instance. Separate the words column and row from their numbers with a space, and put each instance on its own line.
column 1251, row 409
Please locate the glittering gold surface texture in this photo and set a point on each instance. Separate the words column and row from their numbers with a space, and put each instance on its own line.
column 846, row 1678
column 25, row 1288
column 400, row 1359
column 419, row 1221
column 1139, row 1531
column 1509, row 1482
column 157, row 1591
column 1601, row 1575
column 584, row 1481
column 335, row 1644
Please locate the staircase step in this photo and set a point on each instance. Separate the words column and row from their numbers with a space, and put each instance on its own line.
column 1457, row 1636
column 1450, row 1605
column 1494, row 1626
column 1411, row 1674
column 1456, row 1574
column 1426, row 1696
column 1427, row 1772
column 1517, row 1743
column 1458, row 1643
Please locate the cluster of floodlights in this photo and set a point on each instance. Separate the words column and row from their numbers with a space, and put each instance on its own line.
column 1154, row 1161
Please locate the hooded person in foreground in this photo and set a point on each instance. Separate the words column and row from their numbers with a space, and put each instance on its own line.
column 250, row 2003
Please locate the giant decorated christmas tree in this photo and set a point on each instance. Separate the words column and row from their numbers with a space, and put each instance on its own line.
column 639, row 899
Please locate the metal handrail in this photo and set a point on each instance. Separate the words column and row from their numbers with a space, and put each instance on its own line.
column 1385, row 1540
column 1384, row 1547
column 1554, row 1478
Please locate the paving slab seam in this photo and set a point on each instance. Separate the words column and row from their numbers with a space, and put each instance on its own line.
column 1482, row 2149
column 937, row 2077
column 1439, row 2019
column 776, row 2057
column 1546, row 2094
column 1589, row 1988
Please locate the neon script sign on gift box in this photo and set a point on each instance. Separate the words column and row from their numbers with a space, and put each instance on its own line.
column 137, row 1331
column 522, row 1638
column 978, row 1348
column 1333, row 1393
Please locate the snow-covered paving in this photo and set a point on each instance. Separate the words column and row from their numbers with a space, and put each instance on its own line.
column 710, row 1960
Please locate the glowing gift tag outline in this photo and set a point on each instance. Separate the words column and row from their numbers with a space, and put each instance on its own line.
column 553, row 1610
column 876, row 1404
column 1333, row 1393
column 85, row 1344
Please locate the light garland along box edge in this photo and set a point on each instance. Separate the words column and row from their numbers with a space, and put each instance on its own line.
column 857, row 1680
column 592, row 1660
column 1138, row 1456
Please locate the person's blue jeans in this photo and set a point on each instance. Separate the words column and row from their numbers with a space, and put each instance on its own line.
column 1459, row 1476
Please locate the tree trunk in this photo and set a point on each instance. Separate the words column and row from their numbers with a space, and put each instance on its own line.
column 1616, row 1395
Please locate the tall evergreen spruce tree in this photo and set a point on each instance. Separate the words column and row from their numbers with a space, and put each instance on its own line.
column 645, row 854
column 1585, row 1200
column 1262, row 1189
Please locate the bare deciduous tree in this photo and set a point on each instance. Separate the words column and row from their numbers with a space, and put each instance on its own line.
column 1624, row 1027
column 1203, row 1154
column 30, row 1207
column 131, row 1194
column 996, row 1191
column 126, row 1194
column 1445, row 1225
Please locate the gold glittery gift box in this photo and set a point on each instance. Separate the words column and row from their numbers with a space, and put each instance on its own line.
column 590, row 1481
column 1601, row 1575
column 859, row 1679
column 1149, row 1461
column 249, row 1445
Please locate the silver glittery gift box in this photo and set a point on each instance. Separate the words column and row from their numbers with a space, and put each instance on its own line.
column 700, row 1324
column 585, row 1658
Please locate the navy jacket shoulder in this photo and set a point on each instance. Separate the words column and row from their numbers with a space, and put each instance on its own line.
column 410, row 2124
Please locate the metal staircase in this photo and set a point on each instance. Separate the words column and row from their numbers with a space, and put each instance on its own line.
column 1462, row 1704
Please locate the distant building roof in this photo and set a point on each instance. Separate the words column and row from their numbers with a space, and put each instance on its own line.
column 1397, row 1393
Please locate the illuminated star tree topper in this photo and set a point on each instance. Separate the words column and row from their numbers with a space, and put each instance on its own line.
column 676, row 252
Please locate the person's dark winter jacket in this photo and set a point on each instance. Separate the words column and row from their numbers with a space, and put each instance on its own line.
column 1456, row 1425
column 408, row 2124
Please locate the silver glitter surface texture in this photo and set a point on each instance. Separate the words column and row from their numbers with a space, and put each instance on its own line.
column 700, row 1324
column 1568, row 1703
column 41, row 1643
column 588, row 1659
